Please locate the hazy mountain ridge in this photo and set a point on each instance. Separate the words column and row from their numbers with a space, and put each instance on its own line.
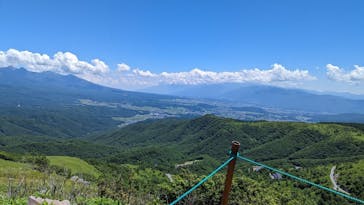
column 267, row 96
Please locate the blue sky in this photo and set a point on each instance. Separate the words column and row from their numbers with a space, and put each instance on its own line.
column 178, row 36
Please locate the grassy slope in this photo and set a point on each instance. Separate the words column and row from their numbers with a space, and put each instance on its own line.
column 75, row 165
column 16, row 171
column 54, row 146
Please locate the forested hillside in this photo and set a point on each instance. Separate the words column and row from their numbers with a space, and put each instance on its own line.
column 156, row 160
column 292, row 142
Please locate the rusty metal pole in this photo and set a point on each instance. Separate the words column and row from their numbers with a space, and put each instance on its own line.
column 229, row 175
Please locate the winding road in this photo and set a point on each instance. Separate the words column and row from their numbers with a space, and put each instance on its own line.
column 334, row 183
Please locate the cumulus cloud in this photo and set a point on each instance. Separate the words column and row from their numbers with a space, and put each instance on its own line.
column 123, row 76
column 276, row 74
column 144, row 73
column 123, row 67
column 337, row 74
column 196, row 76
column 137, row 78
column 61, row 62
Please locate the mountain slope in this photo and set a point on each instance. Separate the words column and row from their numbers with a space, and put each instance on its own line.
column 199, row 145
column 66, row 106
column 264, row 141
column 74, row 165
column 304, row 149
column 268, row 96
column 45, row 89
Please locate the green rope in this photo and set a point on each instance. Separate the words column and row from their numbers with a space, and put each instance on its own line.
column 202, row 181
column 301, row 179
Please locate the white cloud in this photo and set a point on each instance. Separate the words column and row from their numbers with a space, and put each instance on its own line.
column 63, row 63
column 144, row 73
column 123, row 76
column 277, row 73
column 338, row 74
column 137, row 78
column 123, row 67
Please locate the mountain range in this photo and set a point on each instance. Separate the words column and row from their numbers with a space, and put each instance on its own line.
column 268, row 96
column 50, row 104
